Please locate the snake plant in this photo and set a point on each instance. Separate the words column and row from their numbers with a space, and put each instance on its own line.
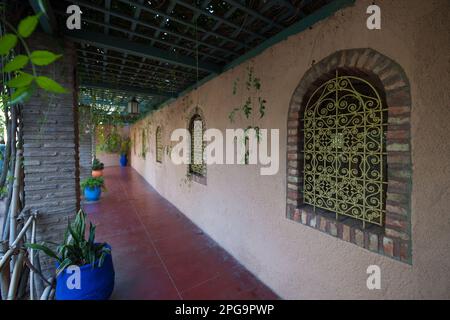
column 76, row 249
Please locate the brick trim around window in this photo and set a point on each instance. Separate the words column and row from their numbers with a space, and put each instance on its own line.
column 394, row 239
column 199, row 178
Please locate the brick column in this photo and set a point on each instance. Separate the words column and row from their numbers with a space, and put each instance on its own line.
column 51, row 146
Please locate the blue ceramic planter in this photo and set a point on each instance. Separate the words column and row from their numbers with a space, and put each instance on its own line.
column 123, row 160
column 95, row 283
column 92, row 194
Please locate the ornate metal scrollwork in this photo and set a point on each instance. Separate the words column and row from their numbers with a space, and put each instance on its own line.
column 344, row 149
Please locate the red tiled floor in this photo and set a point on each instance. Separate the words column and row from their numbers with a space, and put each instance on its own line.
column 158, row 252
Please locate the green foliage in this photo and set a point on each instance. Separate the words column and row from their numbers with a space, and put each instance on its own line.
column 7, row 42
column 49, row 85
column 125, row 146
column 23, row 84
column 43, row 57
column 110, row 142
column 76, row 249
column 18, row 62
column 28, row 25
column 92, row 183
column 253, row 101
column 97, row 165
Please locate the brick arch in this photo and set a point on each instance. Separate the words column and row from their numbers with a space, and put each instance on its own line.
column 202, row 179
column 394, row 239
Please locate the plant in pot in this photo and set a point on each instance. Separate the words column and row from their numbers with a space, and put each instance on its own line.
column 124, row 149
column 93, row 188
column 97, row 168
column 84, row 268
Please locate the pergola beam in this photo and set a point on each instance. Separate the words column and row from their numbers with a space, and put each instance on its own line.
column 47, row 19
column 137, row 49
column 148, row 25
column 97, row 71
column 155, row 68
column 223, row 20
column 138, row 70
column 126, row 89
column 180, row 21
column 255, row 14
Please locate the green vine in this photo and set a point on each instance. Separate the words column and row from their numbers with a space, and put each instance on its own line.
column 253, row 102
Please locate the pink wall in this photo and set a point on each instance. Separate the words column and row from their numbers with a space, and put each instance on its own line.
column 245, row 212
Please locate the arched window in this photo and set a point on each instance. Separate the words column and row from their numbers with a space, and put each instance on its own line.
column 197, row 166
column 344, row 147
column 159, row 145
column 348, row 155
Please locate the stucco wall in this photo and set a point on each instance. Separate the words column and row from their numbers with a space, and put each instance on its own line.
column 245, row 212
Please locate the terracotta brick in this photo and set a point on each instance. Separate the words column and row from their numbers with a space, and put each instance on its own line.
column 396, row 223
column 397, row 209
column 359, row 238
column 333, row 228
column 293, row 195
column 388, row 246
column 292, row 187
column 346, row 233
column 323, row 224
column 313, row 221
column 297, row 215
column 396, row 234
column 398, row 135
column 292, row 156
column 304, row 217
column 373, row 242
column 293, row 123
column 398, row 97
column 395, row 111
column 405, row 252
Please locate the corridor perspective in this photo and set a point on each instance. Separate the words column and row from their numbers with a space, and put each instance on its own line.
column 158, row 252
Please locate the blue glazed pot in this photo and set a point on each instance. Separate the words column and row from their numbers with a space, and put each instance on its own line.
column 95, row 283
column 92, row 194
column 123, row 160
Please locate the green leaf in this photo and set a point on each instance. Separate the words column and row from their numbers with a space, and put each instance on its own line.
column 43, row 57
column 43, row 248
column 67, row 262
column 27, row 25
column 17, row 63
column 23, row 79
column 7, row 42
column 50, row 85
column 21, row 95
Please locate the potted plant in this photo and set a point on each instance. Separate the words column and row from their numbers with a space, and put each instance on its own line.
column 93, row 188
column 97, row 168
column 92, row 259
column 124, row 149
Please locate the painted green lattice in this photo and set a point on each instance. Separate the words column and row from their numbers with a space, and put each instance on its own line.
column 197, row 165
column 344, row 149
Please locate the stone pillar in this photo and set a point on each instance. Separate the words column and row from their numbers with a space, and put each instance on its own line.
column 50, row 135
column 85, row 137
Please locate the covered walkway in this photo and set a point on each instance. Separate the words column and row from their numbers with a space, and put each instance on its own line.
column 159, row 253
